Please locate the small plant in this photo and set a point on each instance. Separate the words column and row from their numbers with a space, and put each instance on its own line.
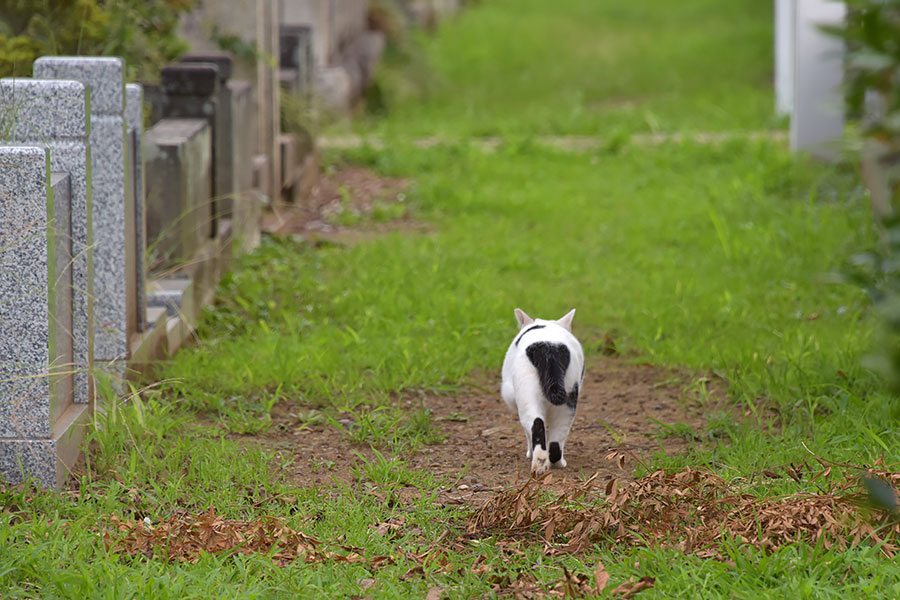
column 126, row 428
column 457, row 417
column 310, row 418
column 394, row 428
column 245, row 416
column 389, row 473
column 678, row 430
column 316, row 465
column 383, row 212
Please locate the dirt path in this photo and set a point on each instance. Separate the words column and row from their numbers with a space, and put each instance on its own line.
column 621, row 408
column 484, row 450
column 568, row 143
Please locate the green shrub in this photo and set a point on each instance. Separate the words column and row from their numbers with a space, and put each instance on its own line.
column 872, row 32
column 140, row 31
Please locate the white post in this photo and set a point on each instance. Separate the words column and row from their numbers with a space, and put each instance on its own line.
column 784, row 56
column 817, row 119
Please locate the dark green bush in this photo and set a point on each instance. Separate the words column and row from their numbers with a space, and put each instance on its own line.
column 872, row 33
column 143, row 32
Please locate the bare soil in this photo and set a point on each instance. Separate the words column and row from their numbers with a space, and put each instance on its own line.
column 354, row 190
column 620, row 410
column 621, row 413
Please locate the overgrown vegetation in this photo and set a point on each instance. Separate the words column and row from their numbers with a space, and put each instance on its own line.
column 140, row 31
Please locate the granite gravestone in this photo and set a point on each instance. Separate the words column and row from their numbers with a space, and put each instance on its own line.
column 255, row 23
column 296, row 61
column 134, row 120
column 105, row 79
column 55, row 115
column 196, row 89
column 179, row 185
column 40, row 424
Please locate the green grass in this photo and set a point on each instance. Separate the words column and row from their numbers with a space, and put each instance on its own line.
column 593, row 67
column 709, row 258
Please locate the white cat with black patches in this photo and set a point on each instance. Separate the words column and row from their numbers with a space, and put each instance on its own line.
column 542, row 374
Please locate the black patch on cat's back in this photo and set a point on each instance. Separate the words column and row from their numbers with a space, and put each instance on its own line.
column 555, row 452
column 538, row 434
column 572, row 398
column 532, row 328
column 551, row 362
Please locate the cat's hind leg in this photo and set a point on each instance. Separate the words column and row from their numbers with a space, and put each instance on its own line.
column 532, row 421
column 560, row 423
column 532, row 416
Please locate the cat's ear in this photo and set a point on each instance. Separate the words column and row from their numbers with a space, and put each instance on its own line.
column 566, row 321
column 522, row 318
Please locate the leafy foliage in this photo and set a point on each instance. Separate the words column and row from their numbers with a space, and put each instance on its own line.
column 140, row 31
column 873, row 35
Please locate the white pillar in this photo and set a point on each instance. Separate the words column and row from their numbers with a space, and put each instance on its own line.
column 817, row 119
column 784, row 56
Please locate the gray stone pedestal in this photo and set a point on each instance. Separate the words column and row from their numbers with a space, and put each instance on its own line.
column 53, row 115
column 40, row 424
column 105, row 80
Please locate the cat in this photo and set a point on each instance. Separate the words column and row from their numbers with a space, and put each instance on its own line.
column 542, row 375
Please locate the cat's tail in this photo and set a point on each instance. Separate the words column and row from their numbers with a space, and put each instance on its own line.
column 551, row 362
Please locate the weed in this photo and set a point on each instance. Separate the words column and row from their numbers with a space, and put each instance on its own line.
column 679, row 430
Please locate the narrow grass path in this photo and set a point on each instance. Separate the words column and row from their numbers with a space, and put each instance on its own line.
column 716, row 258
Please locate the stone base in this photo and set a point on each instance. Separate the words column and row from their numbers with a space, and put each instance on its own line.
column 149, row 346
column 167, row 293
column 247, row 223
column 48, row 461
column 177, row 331
column 176, row 302
column 224, row 250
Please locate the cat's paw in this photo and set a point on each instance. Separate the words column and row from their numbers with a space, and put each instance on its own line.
column 560, row 464
column 540, row 462
column 528, row 453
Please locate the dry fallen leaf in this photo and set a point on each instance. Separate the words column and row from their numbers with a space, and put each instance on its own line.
column 632, row 587
column 601, row 576
column 365, row 584
column 434, row 593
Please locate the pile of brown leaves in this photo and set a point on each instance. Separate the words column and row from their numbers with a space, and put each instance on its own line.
column 693, row 510
column 184, row 538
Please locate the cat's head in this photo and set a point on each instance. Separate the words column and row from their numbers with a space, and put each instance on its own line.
column 565, row 321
